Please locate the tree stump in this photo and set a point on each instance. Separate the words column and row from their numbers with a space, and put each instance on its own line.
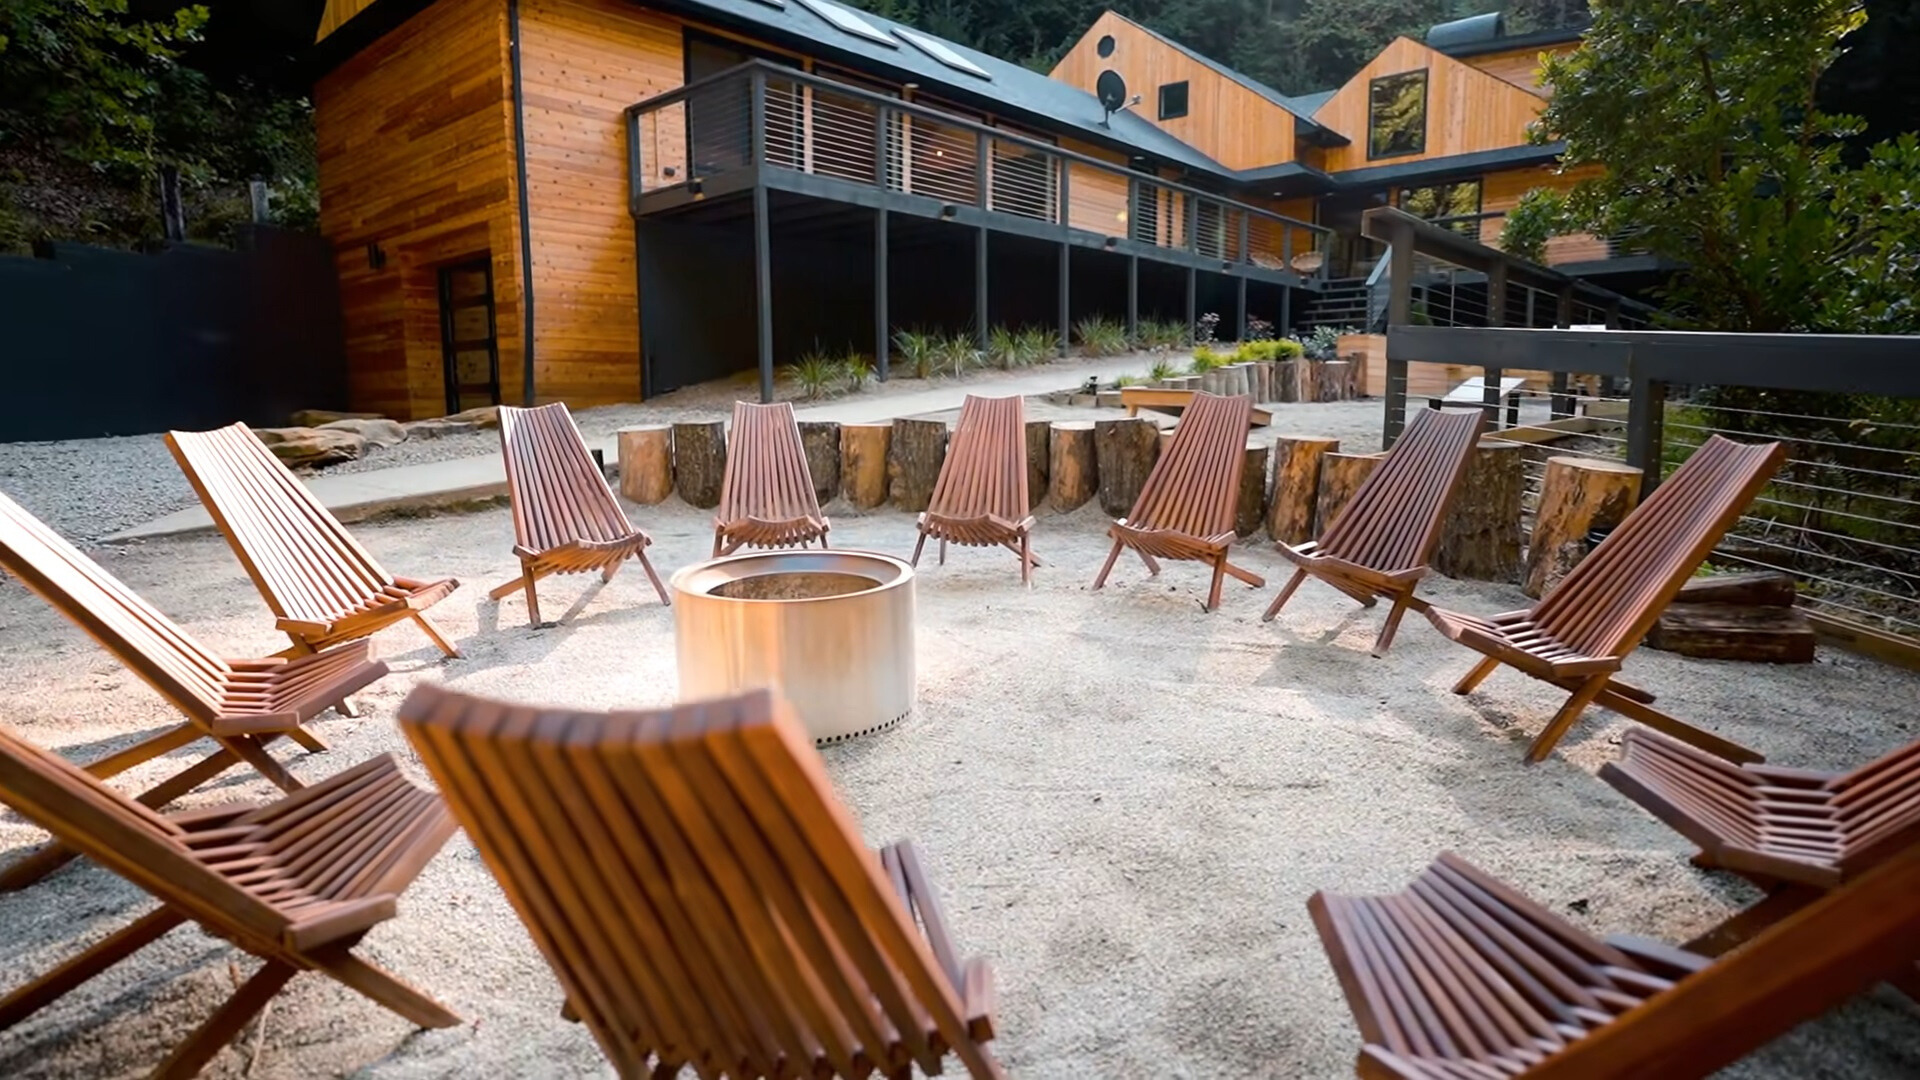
column 1340, row 476
column 1577, row 496
column 913, row 463
column 1251, row 509
column 1072, row 469
column 1480, row 538
column 821, row 440
column 1296, row 486
column 1039, row 449
column 1331, row 381
column 863, row 463
column 1765, row 588
column 1263, row 381
column 1736, row 617
column 700, row 462
column 1124, row 452
column 646, row 462
column 1286, row 380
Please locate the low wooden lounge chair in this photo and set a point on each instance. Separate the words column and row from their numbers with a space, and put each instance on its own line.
column 1379, row 544
column 242, row 705
column 980, row 499
column 565, row 518
column 1579, row 636
column 766, row 496
column 1463, row 977
column 1185, row 510
column 296, row 883
column 1796, row 834
column 322, row 586
column 702, row 895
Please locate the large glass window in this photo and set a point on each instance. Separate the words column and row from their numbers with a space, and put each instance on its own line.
column 1397, row 115
column 1173, row 101
column 1455, row 205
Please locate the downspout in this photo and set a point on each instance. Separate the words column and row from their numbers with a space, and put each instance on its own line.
column 526, row 222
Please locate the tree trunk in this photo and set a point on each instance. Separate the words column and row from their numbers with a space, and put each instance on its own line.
column 1039, row 450
column 1296, row 486
column 646, row 462
column 1480, row 538
column 1125, row 451
column 821, row 439
column 1340, row 476
column 1252, row 506
column 913, row 464
column 700, row 462
column 1577, row 496
column 863, row 463
column 1072, row 473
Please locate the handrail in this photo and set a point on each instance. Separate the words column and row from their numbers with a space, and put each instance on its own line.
column 767, row 68
column 1390, row 225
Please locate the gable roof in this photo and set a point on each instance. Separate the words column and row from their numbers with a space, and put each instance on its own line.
column 1302, row 114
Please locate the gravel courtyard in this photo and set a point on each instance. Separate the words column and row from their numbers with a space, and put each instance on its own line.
column 1125, row 802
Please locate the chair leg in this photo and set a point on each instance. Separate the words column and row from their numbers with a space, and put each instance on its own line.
column 943, row 551
column 50, row 987
column 434, row 635
column 1252, row 580
column 1475, row 677
column 1108, row 567
column 253, row 751
column 1742, row 926
column 1026, row 560
column 226, row 1023
column 917, row 549
column 1153, row 567
column 608, row 571
column 1713, row 744
column 1556, row 728
column 308, row 741
column 719, row 536
column 1286, row 594
column 507, row 588
column 1219, row 576
column 533, row 603
column 1385, row 640
column 647, row 565
column 384, row 987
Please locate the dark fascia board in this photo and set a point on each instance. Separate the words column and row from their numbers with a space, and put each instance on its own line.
column 1539, row 39
column 1013, row 92
column 1303, row 118
column 1444, row 167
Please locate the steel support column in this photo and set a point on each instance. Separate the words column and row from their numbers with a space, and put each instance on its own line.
column 980, row 313
column 882, row 332
column 1133, row 298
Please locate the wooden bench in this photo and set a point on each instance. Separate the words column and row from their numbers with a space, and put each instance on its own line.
column 702, row 895
column 1474, row 392
column 980, row 499
column 565, row 518
column 1175, row 402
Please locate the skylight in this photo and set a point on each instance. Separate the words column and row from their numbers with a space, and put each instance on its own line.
column 847, row 22
column 937, row 49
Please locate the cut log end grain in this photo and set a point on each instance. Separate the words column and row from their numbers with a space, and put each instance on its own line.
column 646, row 462
column 1577, row 496
column 700, row 462
column 863, row 463
column 821, row 441
column 1072, row 470
column 913, row 463
column 1124, row 452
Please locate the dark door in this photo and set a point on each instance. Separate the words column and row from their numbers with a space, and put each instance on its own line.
column 468, row 345
column 719, row 127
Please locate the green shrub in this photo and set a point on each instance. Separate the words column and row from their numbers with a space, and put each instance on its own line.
column 1162, row 370
column 956, row 354
column 1124, row 381
column 1323, row 343
column 1003, row 348
column 918, row 351
column 816, row 372
column 1205, row 360
column 856, row 371
column 1100, row 336
column 1034, row 345
column 1155, row 334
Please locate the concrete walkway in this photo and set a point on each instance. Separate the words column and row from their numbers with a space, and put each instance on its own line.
column 358, row 496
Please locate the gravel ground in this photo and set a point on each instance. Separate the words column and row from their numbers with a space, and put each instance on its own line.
column 1125, row 802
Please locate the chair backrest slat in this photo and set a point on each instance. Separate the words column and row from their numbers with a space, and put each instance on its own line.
column 559, row 495
column 1611, row 599
column 185, row 672
column 766, row 475
column 305, row 563
column 1393, row 521
column 986, row 467
column 692, row 880
column 1193, row 487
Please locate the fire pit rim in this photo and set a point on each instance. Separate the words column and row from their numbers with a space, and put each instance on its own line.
column 680, row 581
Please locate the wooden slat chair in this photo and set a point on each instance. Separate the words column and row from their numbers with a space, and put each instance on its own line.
column 242, row 705
column 766, row 495
column 1579, row 636
column 980, row 499
column 1795, row 833
column 296, row 883
column 565, row 518
column 702, row 895
column 1379, row 544
column 1185, row 509
column 323, row 587
column 1461, row 977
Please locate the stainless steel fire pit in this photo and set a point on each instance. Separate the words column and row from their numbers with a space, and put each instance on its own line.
column 832, row 630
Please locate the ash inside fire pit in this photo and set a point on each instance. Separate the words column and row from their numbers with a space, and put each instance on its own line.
column 793, row 586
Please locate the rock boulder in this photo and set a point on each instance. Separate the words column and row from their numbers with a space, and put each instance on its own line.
column 438, row 429
column 487, row 416
column 307, row 447
column 313, row 418
column 377, row 432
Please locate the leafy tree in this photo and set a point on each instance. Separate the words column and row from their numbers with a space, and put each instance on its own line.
column 1706, row 119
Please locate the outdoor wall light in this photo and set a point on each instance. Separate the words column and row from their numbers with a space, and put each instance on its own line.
column 949, row 210
column 670, row 171
column 1112, row 242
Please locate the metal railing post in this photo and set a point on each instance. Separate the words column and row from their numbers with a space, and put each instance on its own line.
column 636, row 177
column 757, row 119
column 1646, row 415
column 982, row 147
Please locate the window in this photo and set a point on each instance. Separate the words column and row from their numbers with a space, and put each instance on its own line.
column 938, row 49
column 1173, row 101
column 1455, row 205
column 1397, row 115
column 1105, row 48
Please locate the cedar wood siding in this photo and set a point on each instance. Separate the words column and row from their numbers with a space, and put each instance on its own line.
column 1468, row 111
column 415, row 155
column 1225, row 121
column 1521, row 67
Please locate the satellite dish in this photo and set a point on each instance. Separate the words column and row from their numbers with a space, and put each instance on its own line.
column 1112, row 91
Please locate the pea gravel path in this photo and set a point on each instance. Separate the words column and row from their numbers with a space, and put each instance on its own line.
column 1124, row 801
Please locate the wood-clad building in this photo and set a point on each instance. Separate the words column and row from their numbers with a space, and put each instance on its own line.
column 599, row 200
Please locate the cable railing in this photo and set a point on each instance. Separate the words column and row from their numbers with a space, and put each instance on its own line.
column 1485, row 228
column 762, row 115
